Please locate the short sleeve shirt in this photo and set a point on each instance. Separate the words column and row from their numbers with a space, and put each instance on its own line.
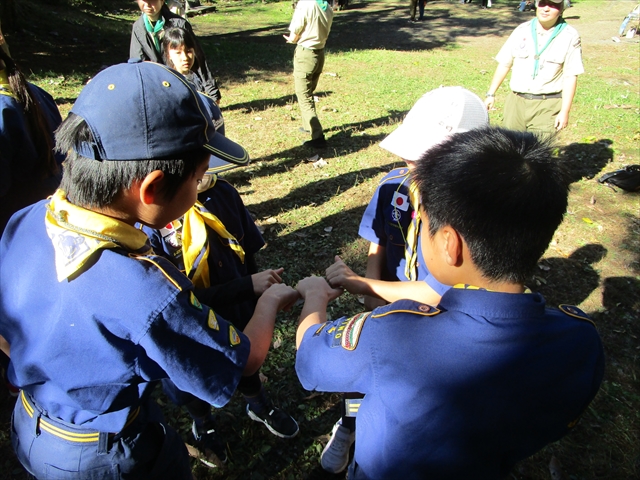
column 563, row 57
column 312, row 24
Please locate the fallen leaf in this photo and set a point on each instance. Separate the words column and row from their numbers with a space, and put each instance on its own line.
column 587, row 220
column 320, row 163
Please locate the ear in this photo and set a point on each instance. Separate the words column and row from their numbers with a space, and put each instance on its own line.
column 453, row 244
column 150, row 188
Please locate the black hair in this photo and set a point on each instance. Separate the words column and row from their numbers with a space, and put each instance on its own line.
column 502, row 190
column 178, row 37
column 36, row 121
column 96, row 184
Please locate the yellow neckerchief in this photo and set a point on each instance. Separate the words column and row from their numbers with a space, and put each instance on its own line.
column 5, row 88
column 77, row 233
column 195, row 245
column 466, row 286
column 411, row 241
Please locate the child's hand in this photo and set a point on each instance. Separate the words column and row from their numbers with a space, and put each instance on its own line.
column 284, row 296
column 339, row 275
column 317, row 286
column 263, row 280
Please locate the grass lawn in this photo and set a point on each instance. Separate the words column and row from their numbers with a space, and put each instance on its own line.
column 377, row 65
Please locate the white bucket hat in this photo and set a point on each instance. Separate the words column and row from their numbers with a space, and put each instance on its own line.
column 437, row 115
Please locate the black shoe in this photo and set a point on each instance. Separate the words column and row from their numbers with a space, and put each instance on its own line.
column 278, row 422
column 209, row 445
column 319, row 142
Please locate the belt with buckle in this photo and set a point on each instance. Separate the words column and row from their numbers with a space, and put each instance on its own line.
column 56, row 427
column 543, row 96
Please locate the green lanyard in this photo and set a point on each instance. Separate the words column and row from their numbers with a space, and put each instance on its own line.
column 153, row 29
column 556, row 30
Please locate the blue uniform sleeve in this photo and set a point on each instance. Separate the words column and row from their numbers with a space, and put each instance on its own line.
column 199, row 351
column 336, row 356
column 371, row 225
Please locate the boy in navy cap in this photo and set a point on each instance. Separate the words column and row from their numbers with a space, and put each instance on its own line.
column 491, row 375
column 215, row 244
column 93, row 317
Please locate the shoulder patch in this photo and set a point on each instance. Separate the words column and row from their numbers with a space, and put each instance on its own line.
column 352, row 330
column 212, row 321
column 234, row 338
column 194, row 301
column 575, row 312
column 395, row 174
column 406, row 306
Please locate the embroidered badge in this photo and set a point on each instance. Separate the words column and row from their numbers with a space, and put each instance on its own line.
column 352, row 331
column 194, row 301
column 338, row 333
column 212, row 321
column 400, row 201
column 172, row 233
column 234, row 338
column 396, row 215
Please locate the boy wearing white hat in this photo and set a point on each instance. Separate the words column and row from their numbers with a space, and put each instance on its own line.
column 395, row 267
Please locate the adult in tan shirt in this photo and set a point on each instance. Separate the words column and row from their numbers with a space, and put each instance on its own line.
column 545, row 59
column 309, row 29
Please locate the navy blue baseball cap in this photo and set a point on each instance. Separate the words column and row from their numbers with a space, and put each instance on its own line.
column 146, row 111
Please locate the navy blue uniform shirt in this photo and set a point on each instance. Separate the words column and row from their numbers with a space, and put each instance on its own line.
column 88, row 346
column 465, row 391
column 231, row 293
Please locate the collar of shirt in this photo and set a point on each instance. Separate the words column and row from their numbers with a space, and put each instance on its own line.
column 77, row 233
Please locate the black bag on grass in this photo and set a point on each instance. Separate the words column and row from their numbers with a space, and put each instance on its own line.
column 627, row 179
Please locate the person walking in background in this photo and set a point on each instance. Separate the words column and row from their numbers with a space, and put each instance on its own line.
column 309, row 30
column 146, row 41
column 545, row 59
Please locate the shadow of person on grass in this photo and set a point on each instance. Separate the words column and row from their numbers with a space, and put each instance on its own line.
column 586, row 160
column 569, row 280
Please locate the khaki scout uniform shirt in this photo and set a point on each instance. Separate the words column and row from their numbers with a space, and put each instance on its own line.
column 562, row 57
column 312, row 24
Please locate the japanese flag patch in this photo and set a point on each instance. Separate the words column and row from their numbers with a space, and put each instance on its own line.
column 400, row 201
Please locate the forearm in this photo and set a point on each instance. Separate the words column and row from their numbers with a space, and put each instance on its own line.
column 314, row 312
column 259, row 330
column 394, row 291
column 498, row 77
column 569, row 86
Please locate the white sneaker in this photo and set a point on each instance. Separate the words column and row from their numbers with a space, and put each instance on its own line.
column 335, row 456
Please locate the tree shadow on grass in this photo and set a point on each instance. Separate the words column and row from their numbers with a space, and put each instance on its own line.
column 347, row 139
column 85, row 40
